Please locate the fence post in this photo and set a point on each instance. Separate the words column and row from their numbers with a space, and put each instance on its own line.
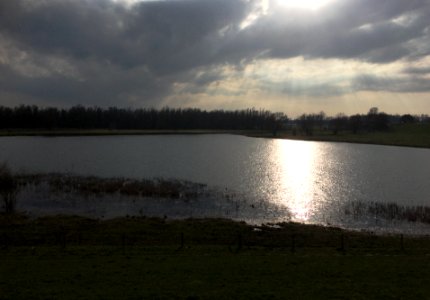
column 60, row 238
column 239, row 242
column 293, row 243
column 182, row 242
column 6, row 241
column 63, row 239
column 342, row 248
column 402, row 245
column 123, row 243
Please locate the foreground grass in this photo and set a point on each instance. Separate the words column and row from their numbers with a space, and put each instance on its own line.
column 208, row 273
column 150, row 258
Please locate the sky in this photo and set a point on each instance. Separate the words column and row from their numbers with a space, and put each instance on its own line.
column 293, row 56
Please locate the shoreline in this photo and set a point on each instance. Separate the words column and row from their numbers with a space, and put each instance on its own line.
column 173, row 199
column 43, row 230
column 390, row 138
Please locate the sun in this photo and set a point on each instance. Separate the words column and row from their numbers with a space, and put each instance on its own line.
column 304, row 4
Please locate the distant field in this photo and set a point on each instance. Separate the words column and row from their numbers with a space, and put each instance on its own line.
column 148, row 258
column 97, row 132
column 412, row 135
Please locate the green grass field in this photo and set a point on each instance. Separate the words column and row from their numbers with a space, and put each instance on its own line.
column 209, row 273
column 411, row 135
column 102, row 132
column 146, row 258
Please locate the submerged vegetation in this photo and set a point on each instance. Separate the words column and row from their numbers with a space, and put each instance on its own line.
column 97, row 197
column 388, row 211
column 90, row 185
column 222, row 203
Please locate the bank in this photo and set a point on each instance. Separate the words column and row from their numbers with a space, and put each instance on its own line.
column 409, row 135
column 68, row 257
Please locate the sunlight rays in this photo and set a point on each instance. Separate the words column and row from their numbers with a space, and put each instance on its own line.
column 304, row 4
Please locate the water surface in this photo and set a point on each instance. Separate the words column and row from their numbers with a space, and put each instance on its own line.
column 313, row 181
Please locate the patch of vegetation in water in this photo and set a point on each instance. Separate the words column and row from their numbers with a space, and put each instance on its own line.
column 90, row 185
column 388, row 211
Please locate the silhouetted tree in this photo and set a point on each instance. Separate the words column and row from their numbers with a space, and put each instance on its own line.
column 307, row 123
column 320, row 119
column 355, row 123
column 339, row 123
column 80, row 117
column 407, row 119
column 376, row 121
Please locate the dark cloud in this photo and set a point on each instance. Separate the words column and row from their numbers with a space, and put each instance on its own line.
column 101, row 52
column 417, row 71
column 376, row 31
column 391, row 84
column 164, row 35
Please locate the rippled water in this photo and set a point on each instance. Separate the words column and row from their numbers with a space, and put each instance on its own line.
column 313, row 181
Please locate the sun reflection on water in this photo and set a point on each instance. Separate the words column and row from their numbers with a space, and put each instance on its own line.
column 297, row 166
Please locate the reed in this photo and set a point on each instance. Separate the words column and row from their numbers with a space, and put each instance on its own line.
column 90, row 185
column 388, row 211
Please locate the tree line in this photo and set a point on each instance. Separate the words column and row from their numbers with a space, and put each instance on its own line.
column 80, row 117
column 372, row 121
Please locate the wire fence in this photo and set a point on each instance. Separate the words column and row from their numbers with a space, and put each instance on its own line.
column 232, row 241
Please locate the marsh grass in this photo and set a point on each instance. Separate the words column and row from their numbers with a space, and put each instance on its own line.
column 90, row 185
column 388, row 211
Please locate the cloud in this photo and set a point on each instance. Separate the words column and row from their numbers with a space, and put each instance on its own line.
column 166, row 36
column 364, row 30
column 391, row 84
column 417, row 71
column 102, row 52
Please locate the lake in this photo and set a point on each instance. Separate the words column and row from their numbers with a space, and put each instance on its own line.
column 313, row 182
